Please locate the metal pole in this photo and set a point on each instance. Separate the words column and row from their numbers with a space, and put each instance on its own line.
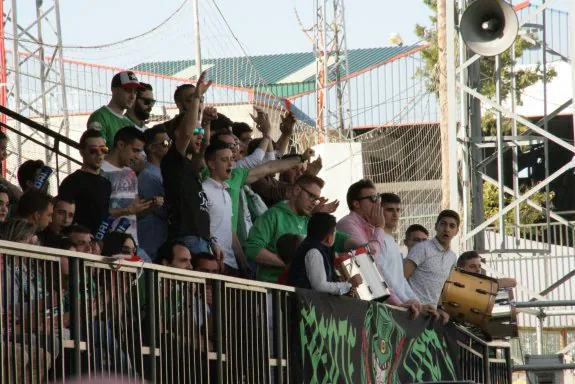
column 65, row 126
column 278, row 335
column 477, row 213
column 546, row 367
column 544, row 303
column 464, row 112
column 198, row 41
column 346, row 85
column 452, row 111
column 325, row 79
column 547, row 257
column 16, row 74
column 500, row 171
column 218, row 308
column 75, row 313
column 572, row 50
column 486, row 370
column 43, row 79
column 515, row 148
column 150, row 337
column 539, row 333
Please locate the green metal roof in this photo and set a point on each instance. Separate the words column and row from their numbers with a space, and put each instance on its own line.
column 271, row 69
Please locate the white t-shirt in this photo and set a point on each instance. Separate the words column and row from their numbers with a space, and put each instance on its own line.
column 434, row 264
column 124, row 191
column 221, row 213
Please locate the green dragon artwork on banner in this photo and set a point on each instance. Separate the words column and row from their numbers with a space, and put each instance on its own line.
column 363, row 342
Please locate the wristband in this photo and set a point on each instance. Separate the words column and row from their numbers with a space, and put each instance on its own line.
column 303, row 158
column 213, row 240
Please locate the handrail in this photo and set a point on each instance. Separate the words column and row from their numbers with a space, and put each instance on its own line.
column 39, row 127
column 163, row 336
column 38, row 142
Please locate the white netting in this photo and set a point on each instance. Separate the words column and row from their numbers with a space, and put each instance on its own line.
column 238, row 85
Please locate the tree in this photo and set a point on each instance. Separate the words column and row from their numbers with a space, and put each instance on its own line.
column 524, row 78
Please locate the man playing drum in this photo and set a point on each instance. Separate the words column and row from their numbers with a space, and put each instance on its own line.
column 470, row 261
column 429, row 263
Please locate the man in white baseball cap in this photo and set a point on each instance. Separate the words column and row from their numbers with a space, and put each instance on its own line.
column 110, row 118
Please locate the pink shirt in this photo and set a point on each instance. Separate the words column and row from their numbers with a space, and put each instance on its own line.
column 363, row 232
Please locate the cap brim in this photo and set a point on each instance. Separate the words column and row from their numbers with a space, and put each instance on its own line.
column 131, row 85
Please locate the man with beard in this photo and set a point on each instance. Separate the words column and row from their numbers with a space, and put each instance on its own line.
column 138, row 114
column 183, row 97
column 141, row 109
column 86, row 186
column 110, row 118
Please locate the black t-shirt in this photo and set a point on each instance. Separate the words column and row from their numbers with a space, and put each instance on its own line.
column 92, row 196
column 186, row 200
column 49, row 239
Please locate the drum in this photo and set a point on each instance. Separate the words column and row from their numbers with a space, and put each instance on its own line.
column 469, row 297
column 503, row 321
column 361, row 261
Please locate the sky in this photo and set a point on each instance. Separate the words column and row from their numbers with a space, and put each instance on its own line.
column 262, row 26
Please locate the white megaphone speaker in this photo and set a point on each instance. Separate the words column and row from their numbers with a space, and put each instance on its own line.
column 489, row 27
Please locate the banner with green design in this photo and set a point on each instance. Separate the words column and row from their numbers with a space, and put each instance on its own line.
column 344, row 340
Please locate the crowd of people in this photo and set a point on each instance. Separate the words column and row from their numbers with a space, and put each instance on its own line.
column 200, row 192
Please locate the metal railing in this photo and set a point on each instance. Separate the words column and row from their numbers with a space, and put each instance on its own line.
column 67, row 314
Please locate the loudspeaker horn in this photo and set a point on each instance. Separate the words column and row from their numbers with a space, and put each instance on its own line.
column 489, row 27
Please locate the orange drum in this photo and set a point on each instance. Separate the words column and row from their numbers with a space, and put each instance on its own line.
column 469, row 297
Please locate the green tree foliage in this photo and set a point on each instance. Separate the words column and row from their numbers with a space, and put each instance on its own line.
column 524, row 77
column 527, row 214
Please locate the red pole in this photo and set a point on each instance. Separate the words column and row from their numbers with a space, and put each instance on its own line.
column 2, row 76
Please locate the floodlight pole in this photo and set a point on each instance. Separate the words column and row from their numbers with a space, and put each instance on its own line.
column 572, row 51
column 198, row 40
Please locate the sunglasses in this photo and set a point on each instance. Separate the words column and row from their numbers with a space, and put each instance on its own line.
column 147, row 101
column 164, row 143
column 199, row 131
column 372, row 198
column 94, row 149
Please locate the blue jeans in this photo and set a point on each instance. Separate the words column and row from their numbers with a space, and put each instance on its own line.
column 195, row 244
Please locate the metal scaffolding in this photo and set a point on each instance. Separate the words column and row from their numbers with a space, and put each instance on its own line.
column 472, row 141
column 332, row 68
column 38, row 42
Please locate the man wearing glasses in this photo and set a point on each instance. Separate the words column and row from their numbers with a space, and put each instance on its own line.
column 90, row 190
column 291, row 216
column 154, row 227
column 371, row 221
column 141, row 110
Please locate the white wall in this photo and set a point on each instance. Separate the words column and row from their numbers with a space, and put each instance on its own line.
column 342, row 166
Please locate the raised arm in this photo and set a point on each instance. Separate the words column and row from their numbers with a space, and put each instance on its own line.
column 190, row 120
column 286, row 128
column 276, row 166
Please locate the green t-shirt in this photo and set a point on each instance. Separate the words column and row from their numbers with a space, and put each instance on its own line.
column 268, row 228
column 236, row 182
column 108, row 122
